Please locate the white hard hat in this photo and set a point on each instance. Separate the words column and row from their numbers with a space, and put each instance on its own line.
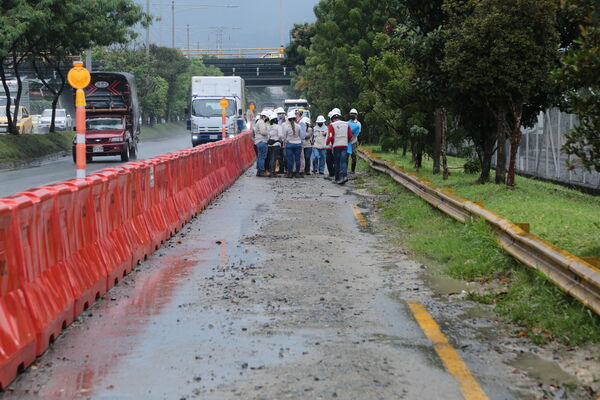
column 306, row 120
column 265, row 113
column 272, row 116
column 320, row 118
column 291, row 115
column 279, row 110
column 353, row 111
column 335, row 112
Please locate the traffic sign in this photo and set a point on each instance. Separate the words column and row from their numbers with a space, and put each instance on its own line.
column 79, row 77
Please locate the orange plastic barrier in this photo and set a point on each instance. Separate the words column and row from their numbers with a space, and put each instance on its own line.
column 46, row 285
column 17, row 333
column 63, row 246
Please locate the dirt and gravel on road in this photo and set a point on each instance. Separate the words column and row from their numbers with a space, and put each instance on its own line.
column 277, row 292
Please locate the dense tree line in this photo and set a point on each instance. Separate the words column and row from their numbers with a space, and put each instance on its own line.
column 426, row 73
column 163, row 78
column 45, row 32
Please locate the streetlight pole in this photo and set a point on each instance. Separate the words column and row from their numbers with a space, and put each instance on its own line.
column 148, row 30
column 188, row 37
column 173, row 24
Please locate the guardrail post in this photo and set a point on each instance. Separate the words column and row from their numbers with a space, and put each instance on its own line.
column 525, row 226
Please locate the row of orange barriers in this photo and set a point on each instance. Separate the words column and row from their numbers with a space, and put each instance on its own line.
column 63, row 246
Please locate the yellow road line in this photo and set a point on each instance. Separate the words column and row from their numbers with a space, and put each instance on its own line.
column 362, row 221
column 452, row 361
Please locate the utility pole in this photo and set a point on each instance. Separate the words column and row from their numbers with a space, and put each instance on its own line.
column 88, row 59
column 173, row 24
column 148, row 30
column 281, row 22
column 188, row 37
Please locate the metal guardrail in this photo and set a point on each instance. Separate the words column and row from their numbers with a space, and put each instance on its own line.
column 271, row 52
column 574, row 275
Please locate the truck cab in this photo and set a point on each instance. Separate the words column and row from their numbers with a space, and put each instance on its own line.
column 206, row 121
column 112, row 116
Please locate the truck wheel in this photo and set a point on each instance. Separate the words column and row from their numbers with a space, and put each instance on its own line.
column 125, row 154
column 133, row 152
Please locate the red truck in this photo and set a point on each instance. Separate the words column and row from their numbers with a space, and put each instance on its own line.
column 112, row 116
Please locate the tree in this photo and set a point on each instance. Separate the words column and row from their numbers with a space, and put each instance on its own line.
column 580, row 72
column 16, row 18
column 161, row 92
column 343, row 29
column 502, row 51
column 53, row 29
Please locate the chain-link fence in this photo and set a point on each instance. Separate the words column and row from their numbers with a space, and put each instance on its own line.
column 540, row 152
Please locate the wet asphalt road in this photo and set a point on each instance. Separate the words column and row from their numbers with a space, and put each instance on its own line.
column 14, row 181
column 273, row 292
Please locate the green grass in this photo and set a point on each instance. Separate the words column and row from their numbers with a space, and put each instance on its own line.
column 24, row 147
column 162, row 129
column 567, row 218
column 470, row 252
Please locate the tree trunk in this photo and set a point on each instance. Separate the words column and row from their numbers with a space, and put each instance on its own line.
column 63, row 83
column 19, row 92
column 55, row 93
column 438, row 138
column 444, row 143
column 486, row 157
column 515, row 142
column 9, row 119
column 501, row 133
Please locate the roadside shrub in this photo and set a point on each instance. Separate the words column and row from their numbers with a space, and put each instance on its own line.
column 472, row 166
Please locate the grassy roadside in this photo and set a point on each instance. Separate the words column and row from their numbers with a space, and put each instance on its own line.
column 470, row 252
column 162, row 129
column 14, row 149
column 567, row 218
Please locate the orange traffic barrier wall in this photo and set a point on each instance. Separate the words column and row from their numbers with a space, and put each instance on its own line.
column 63, row 246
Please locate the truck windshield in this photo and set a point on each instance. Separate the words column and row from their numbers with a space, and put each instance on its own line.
column 103, row 124
column 211, row 108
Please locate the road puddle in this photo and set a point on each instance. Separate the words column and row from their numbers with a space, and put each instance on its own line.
column 544, row 371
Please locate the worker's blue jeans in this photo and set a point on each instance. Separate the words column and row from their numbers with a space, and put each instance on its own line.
column 340, row 155
column 261, row 148
column 293, row 153
column 319, row 160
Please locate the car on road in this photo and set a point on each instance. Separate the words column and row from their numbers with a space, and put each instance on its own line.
column 23, row 120
column 35, row 119
column 62, row 120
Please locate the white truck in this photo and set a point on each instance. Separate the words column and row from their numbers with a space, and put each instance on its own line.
column 206, row 111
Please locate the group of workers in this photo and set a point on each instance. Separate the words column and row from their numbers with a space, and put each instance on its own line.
column 290, row 144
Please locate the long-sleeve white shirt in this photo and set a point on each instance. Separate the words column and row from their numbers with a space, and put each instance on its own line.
column 260, row 132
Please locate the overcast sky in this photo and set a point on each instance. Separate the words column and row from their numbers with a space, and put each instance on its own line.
column 254, row 23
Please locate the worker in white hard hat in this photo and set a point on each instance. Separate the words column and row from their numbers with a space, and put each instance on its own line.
column 261, row 137
column 280, row 115
column 356, row 127
column 319, row 138
column 293, row 137
column 340, row 135
column 329, row 158
column 303, row 127
column 307, row 145
column 275, row 145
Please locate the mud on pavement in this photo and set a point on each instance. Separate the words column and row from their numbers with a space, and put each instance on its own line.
column 274, row 292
